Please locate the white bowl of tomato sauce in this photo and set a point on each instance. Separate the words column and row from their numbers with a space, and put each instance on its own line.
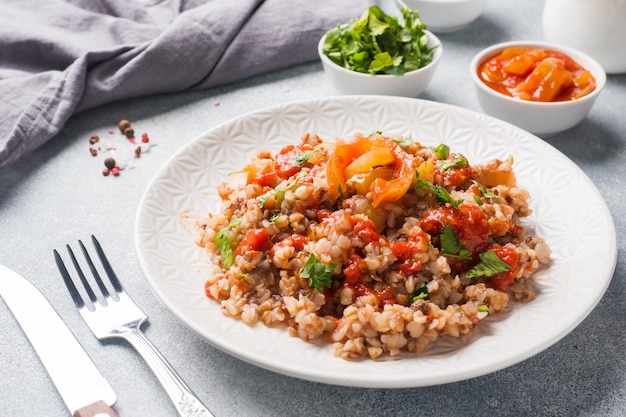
column 542, row 87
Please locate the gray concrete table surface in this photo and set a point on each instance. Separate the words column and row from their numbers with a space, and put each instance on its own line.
column 57, row 195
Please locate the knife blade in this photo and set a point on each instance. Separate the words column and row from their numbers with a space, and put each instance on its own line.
column 81, row 385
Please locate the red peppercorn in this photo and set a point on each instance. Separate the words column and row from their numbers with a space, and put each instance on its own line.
column 93, row 151
column 115, row 171
column 145, row 138
column 106, row 172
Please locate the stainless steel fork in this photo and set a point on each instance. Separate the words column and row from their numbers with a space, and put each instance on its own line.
column 118, row 316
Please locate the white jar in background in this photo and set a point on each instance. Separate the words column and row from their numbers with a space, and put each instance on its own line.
column 596, row 27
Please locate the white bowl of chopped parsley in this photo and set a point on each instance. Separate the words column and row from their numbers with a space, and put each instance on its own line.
column 379, row 54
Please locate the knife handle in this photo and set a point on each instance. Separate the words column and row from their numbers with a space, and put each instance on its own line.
column 97, row 409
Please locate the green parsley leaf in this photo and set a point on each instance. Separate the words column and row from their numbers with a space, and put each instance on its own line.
column 278, row 192
column 262, row 199
column 450, row 245
column 381, row 62
column 404, row 142
column 484, row 191
column 442, row 151
column 223, row 243
column 419, row 293
column 302, row 157
column 490, row 265
column 441, row 194
column 377, row 43
column 275, row 217
column 319, row 275
column 459, row 162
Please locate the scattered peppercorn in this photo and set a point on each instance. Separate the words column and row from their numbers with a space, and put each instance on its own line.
column 121, row 150
column 109, row 163
column 123, row 125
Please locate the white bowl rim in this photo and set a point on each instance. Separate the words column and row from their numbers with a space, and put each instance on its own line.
column 445, row 1
column 438, row 51
column 598, row 72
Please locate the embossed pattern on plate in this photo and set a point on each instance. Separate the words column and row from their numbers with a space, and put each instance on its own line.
column 568, row 211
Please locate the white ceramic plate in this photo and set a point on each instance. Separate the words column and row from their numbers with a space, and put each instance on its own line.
column 568, row 212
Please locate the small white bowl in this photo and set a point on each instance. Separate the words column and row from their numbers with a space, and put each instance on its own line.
column 539, row 118
column 444, row 16
column 409, row 84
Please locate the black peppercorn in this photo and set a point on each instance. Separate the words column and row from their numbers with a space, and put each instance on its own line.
column 109, row 163
column 123, row 125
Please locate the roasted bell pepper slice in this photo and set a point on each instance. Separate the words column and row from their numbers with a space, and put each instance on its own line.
column 363, row 156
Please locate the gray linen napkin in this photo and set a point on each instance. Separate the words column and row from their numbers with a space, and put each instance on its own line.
column 59, row 57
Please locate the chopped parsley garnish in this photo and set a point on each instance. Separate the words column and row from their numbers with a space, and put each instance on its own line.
column 404, row 142
column 377, row 43
column 275, row 217
column 450, row 245
column 262, row 199
column 490, row 265
column 223, row 243
column 278, row 192
column 478, row 200
column 319, row 275
column 484, row 191
column 302, row 157
column 442, row 151
column 419, row 293
column 441, row 194
column 459, row 162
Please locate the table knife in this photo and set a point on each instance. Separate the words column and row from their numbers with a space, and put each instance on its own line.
column 81, row 385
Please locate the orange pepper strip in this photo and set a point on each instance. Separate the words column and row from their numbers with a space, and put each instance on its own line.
column 547, row 80
column 370, row 159
column 343, row 155
column 394, row 189
column 381, row 189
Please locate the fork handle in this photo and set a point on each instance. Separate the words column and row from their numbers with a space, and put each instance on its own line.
column 186, row 402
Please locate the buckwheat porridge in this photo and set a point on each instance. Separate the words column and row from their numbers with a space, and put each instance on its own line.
column 377, row 244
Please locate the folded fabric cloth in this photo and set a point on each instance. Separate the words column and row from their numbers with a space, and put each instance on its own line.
column 59, row 57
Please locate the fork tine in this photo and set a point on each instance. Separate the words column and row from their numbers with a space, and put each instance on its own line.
column 107, row 266
column 94, row 271
column 82, row 277
column 69, row 283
